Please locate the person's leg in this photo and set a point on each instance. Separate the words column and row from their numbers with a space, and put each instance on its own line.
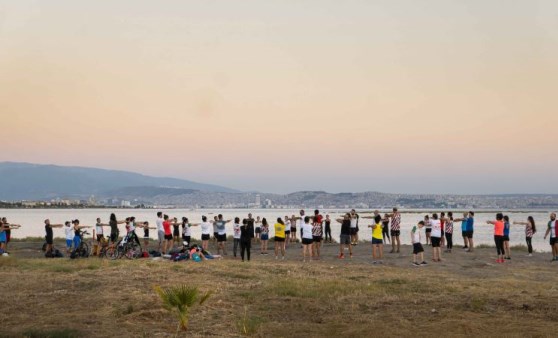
column 398, row 243
column 507, row 249
column 283, row 249
column 248, row 248
column 235, row 246
column 242, row 249
column 421, row 254
column 350, row 251
column 319, row 245
column 303, row 252
column 276, row 249
column 471, row 245
column 465, row 240
column 374, row 252
column 529, row 245
column 381, row 249
column 393, row 243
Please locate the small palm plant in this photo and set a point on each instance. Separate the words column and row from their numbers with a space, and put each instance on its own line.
column 180, row 299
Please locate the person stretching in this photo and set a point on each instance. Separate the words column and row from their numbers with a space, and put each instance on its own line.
column 530, row 230
column 280, row 236
column 377, row 240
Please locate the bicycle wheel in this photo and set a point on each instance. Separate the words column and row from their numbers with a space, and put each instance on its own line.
column 116, row 251
column 84, row 252
column 133, row 251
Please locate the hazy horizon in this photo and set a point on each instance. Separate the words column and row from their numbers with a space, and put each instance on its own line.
column 392, row 96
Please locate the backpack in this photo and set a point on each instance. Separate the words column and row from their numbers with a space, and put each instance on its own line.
column 58, row 254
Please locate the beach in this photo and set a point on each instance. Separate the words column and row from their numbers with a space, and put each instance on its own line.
column 465, row 294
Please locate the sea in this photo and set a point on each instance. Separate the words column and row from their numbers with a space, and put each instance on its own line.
column 32, row 222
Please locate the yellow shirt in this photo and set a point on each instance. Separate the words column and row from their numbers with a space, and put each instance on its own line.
column 279, row 230
column 377, row 231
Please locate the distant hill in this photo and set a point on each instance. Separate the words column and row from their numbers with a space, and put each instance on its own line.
column 20, row 181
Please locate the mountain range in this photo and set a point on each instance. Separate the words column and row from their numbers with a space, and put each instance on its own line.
column 26, row 181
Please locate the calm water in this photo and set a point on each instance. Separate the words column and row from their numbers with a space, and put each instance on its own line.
column 32, row 222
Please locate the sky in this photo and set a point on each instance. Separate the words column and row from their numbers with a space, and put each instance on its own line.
column 434, row 96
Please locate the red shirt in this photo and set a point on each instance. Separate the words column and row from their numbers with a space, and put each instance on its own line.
column 167, row 227
column 498, row 228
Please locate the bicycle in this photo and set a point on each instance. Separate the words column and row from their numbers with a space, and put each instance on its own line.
column 126, row 247
column 83, row 248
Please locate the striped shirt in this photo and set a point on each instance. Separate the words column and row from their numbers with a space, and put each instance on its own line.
column 529, row 230
column 396, row 222
column 449, row 226
column 317, row 229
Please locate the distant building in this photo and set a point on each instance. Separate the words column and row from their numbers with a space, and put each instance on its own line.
column 258, row 200
column 125, row 204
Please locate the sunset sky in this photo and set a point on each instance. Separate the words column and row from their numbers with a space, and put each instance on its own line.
column 281, row 96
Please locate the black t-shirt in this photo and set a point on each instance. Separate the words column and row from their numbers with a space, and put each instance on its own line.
column 146, row 232
column 48, row 230
column 346, row 227
column 247, row 231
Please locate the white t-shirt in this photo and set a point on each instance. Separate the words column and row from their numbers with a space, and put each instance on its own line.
column 69, row 232
column 307, row 231
column 99, row 229
column 416, row 234
column 186, row 231
column 436, row 228
column 553, row 229
column 159, row 223
column 205, row 228
column 353, row 223
column 131, row 226
column 236, row 231
column 301, row 221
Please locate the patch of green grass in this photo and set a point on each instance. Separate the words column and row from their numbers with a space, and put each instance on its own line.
column 249, row 325
column 57, row 333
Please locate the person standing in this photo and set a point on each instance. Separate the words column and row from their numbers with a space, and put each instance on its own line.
column 49, row 235
column 385, row 230
column 307, row 239
column 77, row 232
column 146, row 228
column 443, row 226
column 69, row 232
column 418, row 250
column 246, row 236
column 221, row 234
column 280, row 236
column 470, row 231
column 395, row 230
column 292, row 222
column 287, row 224
column 354, row 227
column 206, row 232
column 264, row 236
column 317, row 233
column 435, row 237
column 345, row 236
column 377, row 240
column 327, row 230
column 499, row 236
column 552, row 230
column 236, row 235
column 8, row 227
column 449, row 232
column 160, row 230
column 530, row 230
column 463, row 229
column 428, row 228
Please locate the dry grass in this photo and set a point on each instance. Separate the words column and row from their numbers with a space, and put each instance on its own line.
column 93, row 297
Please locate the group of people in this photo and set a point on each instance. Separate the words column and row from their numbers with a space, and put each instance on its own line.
column 171, row 232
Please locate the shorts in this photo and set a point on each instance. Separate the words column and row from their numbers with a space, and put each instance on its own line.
column 395, row 233
column 553, row 240
column 176, row 233
column 49, row 240
column 69, row 243
column 279, row 239
column 506, row 238
column 469, row 234
column 161, row 235
column 417, row 248
column 205, row 237
column 428, row 230
column 186, row 238
column 354, row 231
column 215, row 234
column 317, row 239
column 114, row 237
column 264, row 237
column 293, row 229
column 258, row 230
column 221, row 238
column 464, row 233
column 307, row 241
column 376, row 241
column 168, row 237
column 435, row 242
column 99, row 237
column 345, row 239
column 287, row 232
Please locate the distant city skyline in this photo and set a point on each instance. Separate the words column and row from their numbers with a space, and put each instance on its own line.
column 455, row 97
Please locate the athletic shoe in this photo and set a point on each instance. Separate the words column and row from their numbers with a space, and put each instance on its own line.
column 530, row 255
column 423, row 263
column 374, row 262
column 341, row 256
column 416, row 264
column 507, row 258
column 465, row 247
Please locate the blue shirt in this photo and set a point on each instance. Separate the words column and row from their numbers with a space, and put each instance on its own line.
column 506, row 228
column 464, row 225
column 470, row 223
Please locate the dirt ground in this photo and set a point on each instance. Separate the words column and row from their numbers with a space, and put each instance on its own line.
column 466, row 294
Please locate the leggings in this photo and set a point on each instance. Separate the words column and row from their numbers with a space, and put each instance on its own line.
column 245, row 246
column 235, row 247
column 529, row 246
column 499, row 240
column 449, row 240
column 328, row 232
